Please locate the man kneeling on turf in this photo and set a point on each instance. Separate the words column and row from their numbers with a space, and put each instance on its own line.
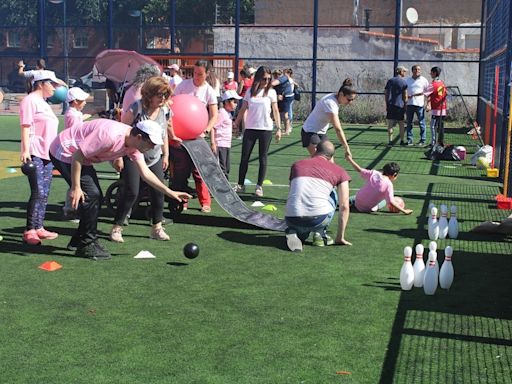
column 312, row 199
column 378, row 190
column 75, row 150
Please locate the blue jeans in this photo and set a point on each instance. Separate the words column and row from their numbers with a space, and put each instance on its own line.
column 420, row 112
column 304, row 225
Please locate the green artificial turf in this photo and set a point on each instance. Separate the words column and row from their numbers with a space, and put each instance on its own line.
column 249, row 311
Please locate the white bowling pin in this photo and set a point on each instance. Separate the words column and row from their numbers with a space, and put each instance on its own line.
column 431, row 275
column 432, row 246
column 419, row 266
column 443, row 222
column 446, row 274
column 433, row 228
column 453, row 224
column 430, row 206
column 407, row 271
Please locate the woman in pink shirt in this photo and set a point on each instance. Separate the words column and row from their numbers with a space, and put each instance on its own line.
column 39, row 127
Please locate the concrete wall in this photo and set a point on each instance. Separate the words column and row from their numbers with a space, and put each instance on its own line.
column 292, row 47
column 339, row 12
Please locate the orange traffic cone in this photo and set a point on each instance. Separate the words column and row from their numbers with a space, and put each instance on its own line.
column 50, row 266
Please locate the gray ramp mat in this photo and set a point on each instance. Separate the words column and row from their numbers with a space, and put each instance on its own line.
column 209, row 169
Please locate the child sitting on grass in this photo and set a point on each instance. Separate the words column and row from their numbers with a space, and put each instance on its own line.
column 378, row 190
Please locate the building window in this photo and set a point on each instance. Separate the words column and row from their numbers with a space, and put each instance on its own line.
column 81, row 39
column 50, row 40
column 13, row 39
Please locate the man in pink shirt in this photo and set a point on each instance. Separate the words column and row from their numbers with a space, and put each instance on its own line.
column 378, row 189
column 73, row 153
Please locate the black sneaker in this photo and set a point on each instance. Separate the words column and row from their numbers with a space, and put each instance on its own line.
column 421, row 144
column 402, row 143
column 73, row 243
column 93, row 251
column 390, row 143
column 410, row 143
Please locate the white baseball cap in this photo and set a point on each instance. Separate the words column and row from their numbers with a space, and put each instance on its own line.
column 76, row 93
column 230, row 75
column 44, row 75
column 252, row 70
column 174, row 66
column 153, row 129
column 230, row 94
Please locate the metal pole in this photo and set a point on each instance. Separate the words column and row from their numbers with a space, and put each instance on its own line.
column 237, row 38
column 66, row 58
column 315, row 54
column 110, row 24
column 141, row 39
column 172, row 26
column 42, row 30
column 398, row 24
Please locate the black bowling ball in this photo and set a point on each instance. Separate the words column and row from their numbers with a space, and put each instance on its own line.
column 191, row 250
column 28, row 168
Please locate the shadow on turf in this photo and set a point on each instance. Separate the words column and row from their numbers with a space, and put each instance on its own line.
column 477, row 300
column 263, row 239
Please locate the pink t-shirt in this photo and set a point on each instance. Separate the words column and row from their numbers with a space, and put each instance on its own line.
column 73, row 118
column 223, row 129
column 100, row 140
column 38, row 115
column 377, row 188
column 131, row 96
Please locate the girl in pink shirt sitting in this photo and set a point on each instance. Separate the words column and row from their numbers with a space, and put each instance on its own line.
column 39, row 127
column 378, row 189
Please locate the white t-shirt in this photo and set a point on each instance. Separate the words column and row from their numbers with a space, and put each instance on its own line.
column 175, row 80
column 259, row 110
column 320, row 117
column 205, row 92
column 418, row 85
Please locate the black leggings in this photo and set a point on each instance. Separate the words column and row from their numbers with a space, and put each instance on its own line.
column 130, row 191
column 250, row 136
column 88, row 210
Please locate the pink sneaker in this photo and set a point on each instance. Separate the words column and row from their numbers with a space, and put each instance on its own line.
column 30, row 237
column 43, row 234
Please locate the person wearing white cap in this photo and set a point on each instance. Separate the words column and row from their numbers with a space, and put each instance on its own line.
column 74, row 117
column 39, row 126
column 174, row 73
column 151, row 107
column 230, row 83
column 223, row 130
column 74, row 152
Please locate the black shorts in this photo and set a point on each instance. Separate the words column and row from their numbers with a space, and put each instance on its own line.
column 395, row 113
column 309, row 138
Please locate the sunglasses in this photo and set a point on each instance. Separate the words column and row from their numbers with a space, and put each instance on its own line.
column 165, row 95
column 350, row 99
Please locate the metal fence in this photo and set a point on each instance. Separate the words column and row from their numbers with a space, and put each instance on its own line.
column 494, row 85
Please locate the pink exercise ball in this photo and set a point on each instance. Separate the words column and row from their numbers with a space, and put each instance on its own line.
column 190, row 116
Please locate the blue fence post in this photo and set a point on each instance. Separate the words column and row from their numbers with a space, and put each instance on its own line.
column 398, row 25
column 110, row 42
column 315, row 54
column 42, row 30
column 237, row 38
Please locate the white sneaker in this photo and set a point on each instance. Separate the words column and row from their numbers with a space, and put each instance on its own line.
column 259, row 191
column 293, row 242
column 116, row 235
column 159, row 234
column 239, row 188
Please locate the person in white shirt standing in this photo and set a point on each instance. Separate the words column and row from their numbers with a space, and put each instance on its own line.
column 175, row 78
column 416, row 87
